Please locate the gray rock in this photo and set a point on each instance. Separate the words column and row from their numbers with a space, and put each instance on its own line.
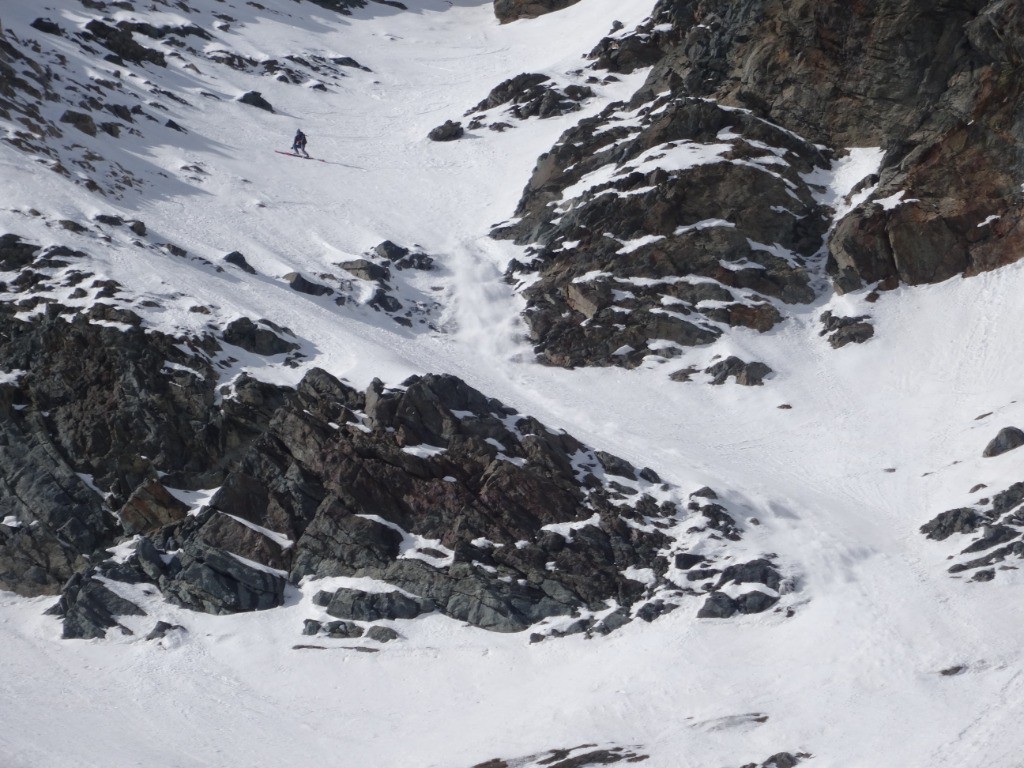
column 718, row 606
column 747, row 374
column 366, row 270
column 374, row 606
column 382, row 634
column 344, row 629
column 89, row 608
column 1007, row 439
column 213, row 581
column 150, row 507
column 449, row 131
column 944, row 525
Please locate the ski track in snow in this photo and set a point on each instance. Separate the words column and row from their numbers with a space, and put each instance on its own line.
column 852, row 678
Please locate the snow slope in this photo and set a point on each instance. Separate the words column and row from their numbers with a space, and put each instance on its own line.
column 880, row 437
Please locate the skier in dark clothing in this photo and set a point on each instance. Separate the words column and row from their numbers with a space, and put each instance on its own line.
column 299, row 144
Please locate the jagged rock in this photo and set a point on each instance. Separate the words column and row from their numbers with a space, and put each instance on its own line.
column 311, row 627
column 214, row 581
column 255, row 99
column 89, row 608
column 1007, row 439
column 448, row 131
column 755, row 602
column 151, row 506
column 14, row 253
column 244, row 333
column 780, row 760
column 617, row 260
column 747, row 374
column 963, row 520
column 992, row 536
column 512, row 10
column 685, row 561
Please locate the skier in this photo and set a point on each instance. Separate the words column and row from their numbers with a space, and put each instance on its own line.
column 299, row 144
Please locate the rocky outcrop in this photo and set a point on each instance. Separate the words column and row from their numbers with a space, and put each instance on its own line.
column 940, row 96
column 627, row 261
column 743, row 101
column 451, row 501
column 1000, row 522
column 512, row 10
column 530, row 95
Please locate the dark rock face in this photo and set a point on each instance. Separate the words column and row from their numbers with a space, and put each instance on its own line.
column 89, row 609
column 631, row 262
column 1007, row 439
column 215, row 581
column 375, row 606
column 634, row 262
column 512, row 10
column 459, row 503
column 935, row 83
column 87, row 404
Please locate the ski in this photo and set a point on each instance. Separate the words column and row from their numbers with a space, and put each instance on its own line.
column 303, row 157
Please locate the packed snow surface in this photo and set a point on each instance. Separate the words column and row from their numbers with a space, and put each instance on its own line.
column 879, row 438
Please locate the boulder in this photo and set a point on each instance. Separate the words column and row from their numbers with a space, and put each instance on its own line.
column 255, row 99
column 448, row 131
column 1007, row 439
column 260, row 339
column 237, row 259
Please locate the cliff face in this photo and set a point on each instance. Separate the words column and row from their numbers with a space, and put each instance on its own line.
column 936, row 85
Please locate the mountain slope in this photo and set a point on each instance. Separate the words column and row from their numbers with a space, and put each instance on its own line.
column 880, row 657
